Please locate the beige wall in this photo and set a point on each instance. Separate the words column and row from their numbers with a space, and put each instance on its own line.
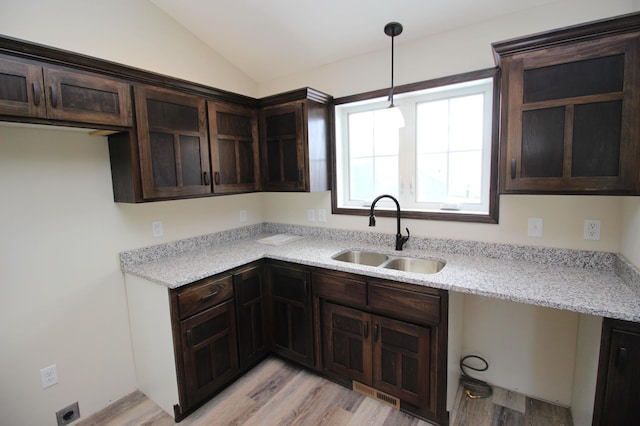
column 134, row 33
column 62, row 297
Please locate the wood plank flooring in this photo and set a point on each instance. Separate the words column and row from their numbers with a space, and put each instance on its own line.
column 278, row 393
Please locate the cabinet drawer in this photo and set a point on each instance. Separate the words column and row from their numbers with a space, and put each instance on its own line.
column 420, row 307
column 340, row 289
column 203, row 294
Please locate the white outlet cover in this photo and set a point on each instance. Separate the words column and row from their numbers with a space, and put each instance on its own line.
column 157, row 229
column 243, row 215
column 49, row 376
column 311, row 215
column 592, row 229
column 322, row 215
column 535, row 227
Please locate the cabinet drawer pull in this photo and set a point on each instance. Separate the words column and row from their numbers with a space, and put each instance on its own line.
column 54, row 96
column 216, row 177
column 513, row 168
column 366, row 330
column 189, row 338
column 623, row 357
column 36, row 93
column 209, row 296
column 375, row 333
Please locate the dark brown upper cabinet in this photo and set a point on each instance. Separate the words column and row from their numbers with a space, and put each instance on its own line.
column 294, row 141
column 235, row 157
column 30, row 90
column 173, row 143
column 570, row 106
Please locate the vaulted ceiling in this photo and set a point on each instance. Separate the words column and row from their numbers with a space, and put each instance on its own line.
column 270, row 39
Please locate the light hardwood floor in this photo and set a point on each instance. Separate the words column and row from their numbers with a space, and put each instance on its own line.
column 278, row 393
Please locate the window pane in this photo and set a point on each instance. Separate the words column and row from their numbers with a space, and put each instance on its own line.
column 465, row 177
column 361, row 180
column 386, row 175
column 465, row 122
column 361, row 134
column 433, row 126
column 385, row 137
column 432, row 178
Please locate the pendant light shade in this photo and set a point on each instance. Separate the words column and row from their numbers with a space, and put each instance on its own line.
column 393, row 116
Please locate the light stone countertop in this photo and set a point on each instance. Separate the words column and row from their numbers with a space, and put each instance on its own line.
column 594, row 287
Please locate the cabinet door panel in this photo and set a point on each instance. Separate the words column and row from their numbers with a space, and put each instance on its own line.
column 347, row 343
column 623, row 380
column 210, row 351
column 251, row 302
column 401, row 359
column 21, row 89
column 87, row 98
column 234, row 148
column 173, row 144
column 597, row 128
column 291, row 315
column 543, row 142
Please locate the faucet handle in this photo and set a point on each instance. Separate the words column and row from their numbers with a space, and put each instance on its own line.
column 408, row 234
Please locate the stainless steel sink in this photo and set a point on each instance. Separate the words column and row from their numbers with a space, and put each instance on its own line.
column 362, row 257
column 411, row 264
column 399, row 263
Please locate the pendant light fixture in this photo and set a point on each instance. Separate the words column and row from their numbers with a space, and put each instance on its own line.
column 393, row 115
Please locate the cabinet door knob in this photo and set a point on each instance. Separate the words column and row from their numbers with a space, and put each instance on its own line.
column 36, row 93
column 623, row 358
column 513, row 168
column 366, row 330
column 205, row 178
column 189, row 338
column 216, row 177
column 54, row 96
column 375, row 333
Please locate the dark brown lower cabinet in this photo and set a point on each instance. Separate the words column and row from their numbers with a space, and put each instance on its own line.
column 291, row 314
column 390, row 355
column 389, row 336
column 251, row 307
column 210, row 352
column 618, row 387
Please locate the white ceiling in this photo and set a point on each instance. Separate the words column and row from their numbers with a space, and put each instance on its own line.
column 269, row 39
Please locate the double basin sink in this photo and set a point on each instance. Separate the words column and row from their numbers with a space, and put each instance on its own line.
column 399, row 263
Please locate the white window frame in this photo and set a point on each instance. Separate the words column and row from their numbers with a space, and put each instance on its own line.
column 407, row 99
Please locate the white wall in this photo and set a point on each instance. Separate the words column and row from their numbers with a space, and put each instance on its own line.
column 62, row 294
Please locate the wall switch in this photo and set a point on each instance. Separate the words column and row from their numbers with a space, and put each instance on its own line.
column 311, row 215
column 592, row 229
column 243, row 215
column 49, row 376
column 535, row 227
column 322, row 215
column 157, row 229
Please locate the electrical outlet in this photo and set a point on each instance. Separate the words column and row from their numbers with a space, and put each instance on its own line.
column 535, row 227
column 49, row 376
column 243, row 215
column 157, row 229
column 592, row 229
column 311, row 215
column 322, row 215
column 68, row 414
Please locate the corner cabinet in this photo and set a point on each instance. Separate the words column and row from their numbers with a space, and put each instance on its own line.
column 618, row 385
column 570, row 104
column 294, row 141
column 33, row 90
column 291, row 312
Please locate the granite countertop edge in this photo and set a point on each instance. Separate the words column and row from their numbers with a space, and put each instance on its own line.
column 595, row 283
